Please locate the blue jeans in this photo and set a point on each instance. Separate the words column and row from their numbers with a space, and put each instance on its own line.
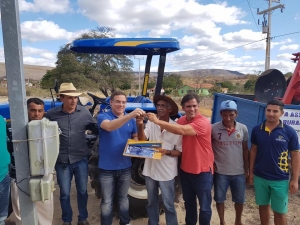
column 4, row 198
column 197, row 185
column 237, row 185
column 65, row 173
column 167, row 189
column 114, row 181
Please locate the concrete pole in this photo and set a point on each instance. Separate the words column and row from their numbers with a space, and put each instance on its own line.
column 18, row 108
column 139, row 58
column 139, row 78
column 268, row 46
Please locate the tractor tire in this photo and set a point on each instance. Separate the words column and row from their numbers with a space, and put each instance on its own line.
column 138, row 193
column 94, row 170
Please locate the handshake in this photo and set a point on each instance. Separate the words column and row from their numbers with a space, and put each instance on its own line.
column 140, row 114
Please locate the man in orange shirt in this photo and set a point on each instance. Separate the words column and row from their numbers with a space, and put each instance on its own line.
column 196, row 172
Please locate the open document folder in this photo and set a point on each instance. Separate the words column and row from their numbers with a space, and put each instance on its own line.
column 143, row 149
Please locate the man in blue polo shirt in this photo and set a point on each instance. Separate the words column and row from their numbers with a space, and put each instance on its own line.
column 272, row 143
column 115, row 128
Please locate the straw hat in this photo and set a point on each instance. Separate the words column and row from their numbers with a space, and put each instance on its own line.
column 68, row 89
column 174, row 106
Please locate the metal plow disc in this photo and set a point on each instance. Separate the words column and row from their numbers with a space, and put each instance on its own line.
column 270, row 84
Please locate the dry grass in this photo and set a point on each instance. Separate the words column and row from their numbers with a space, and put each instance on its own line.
column 30, row 71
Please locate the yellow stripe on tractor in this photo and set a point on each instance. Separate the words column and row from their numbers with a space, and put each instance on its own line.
column 134, row 43
column 145, row 85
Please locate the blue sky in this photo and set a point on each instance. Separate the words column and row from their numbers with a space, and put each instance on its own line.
column 206, row 29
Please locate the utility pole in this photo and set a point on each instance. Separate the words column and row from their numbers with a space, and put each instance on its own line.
column 17, row 103
column 266, row 27
column 139, row 58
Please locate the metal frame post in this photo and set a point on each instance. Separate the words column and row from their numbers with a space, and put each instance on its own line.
column 160, row 71
column 147, row 74
column 18, row 108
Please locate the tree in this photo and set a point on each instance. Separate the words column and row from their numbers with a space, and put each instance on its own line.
column 104, row 72
column 198, row 78
column 172, row 81
column 288, row 75
column 250, row 84
column 227, row 84
column 215, row 89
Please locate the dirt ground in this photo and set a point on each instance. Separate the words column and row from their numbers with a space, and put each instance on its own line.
column 250, row 215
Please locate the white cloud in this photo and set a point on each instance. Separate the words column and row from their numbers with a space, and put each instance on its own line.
column 48, row 6
column 35, row 56
column 289, row 47
column 38, row 61
column 286, row 56
column 44, row 30
column 156, row 15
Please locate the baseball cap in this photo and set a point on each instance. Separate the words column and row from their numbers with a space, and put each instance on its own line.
column 228, row 105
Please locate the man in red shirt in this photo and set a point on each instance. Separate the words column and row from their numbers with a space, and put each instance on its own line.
column 196, row 172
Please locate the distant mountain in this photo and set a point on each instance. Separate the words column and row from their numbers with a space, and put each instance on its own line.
column 37, row 72
column 201, row 72
column 30, row 71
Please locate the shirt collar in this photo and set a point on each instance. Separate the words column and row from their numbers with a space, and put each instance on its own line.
column 114, row 115
column 263, row 125
column 222, row 127
column 60, row 108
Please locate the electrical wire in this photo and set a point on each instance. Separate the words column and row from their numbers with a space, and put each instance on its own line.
column 189, row 60
column 252, row 15
column 281, row 35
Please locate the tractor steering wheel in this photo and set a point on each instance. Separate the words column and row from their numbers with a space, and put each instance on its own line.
column 97, row 101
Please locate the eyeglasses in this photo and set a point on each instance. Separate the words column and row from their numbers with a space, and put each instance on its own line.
column 120, row 102
column 162, row 106
column 191, row 106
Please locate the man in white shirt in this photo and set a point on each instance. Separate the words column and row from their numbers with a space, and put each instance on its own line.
column 161, row 173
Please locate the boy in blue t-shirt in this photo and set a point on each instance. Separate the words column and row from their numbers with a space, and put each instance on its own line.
column 272, row 143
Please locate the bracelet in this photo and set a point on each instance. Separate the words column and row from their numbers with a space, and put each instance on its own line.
column 170, row 152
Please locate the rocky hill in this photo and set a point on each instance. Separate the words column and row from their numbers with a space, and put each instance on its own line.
column 30, row 71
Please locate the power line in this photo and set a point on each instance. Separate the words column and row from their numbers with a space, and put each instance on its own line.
column 252, row 15
column 286, row 34
column 189, row 60
column 219, row 52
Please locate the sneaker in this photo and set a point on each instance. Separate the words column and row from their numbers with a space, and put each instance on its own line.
column 83, row 223
column 66, row 223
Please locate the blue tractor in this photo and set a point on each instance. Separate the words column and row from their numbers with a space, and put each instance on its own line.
column 129, row 46
column 125, row 46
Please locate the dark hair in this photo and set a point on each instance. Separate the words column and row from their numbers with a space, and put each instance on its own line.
column 115, row 93
column 276, row 102
column 189, row 97
column 36, row 101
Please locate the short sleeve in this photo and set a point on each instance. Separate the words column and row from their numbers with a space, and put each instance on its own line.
column 201, row 127
column 134, row 130
column 147, row 129
column 246, row 134
column 293, row 142
column 178, row 145
column 253, row 136
column 101, row 117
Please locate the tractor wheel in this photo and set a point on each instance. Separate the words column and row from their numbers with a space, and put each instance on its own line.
column 137, row 191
